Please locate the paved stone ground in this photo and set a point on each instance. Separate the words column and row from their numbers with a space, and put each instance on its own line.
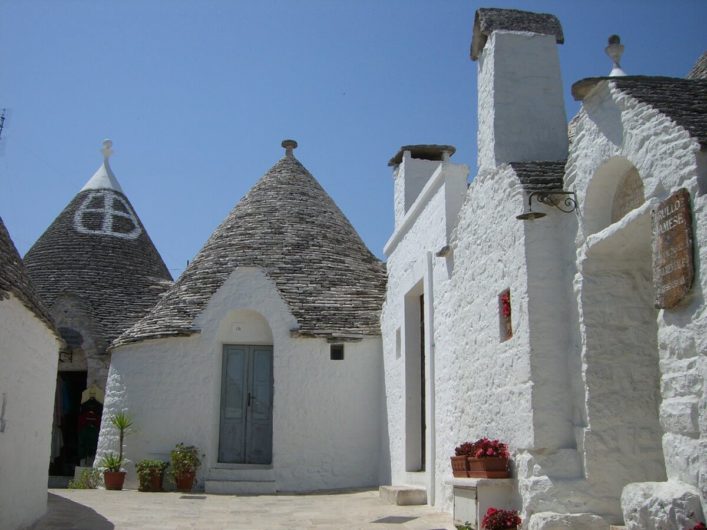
column 107, row 510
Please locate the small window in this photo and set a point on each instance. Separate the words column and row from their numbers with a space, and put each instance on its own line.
column 504, row 315
column 336, row 352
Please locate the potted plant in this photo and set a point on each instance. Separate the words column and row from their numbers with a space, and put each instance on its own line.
column 496, row 519
column 460, row 466
column 489, row 459
column 185, row 461
column 150, row 474
column 113, row 476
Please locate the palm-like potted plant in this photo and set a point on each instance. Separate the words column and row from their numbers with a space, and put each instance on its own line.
column 113, row 475
column 150, row 474
column 184, row 460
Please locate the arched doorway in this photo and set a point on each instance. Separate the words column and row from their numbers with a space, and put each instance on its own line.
column 618, row 324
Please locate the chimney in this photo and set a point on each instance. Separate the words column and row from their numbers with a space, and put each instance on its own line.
column 413, row 166
column 521, row 108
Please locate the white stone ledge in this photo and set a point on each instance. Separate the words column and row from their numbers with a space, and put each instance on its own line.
column 459, row 482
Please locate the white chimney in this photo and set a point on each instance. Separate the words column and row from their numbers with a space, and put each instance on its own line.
column 413, row 166
column 521, row 107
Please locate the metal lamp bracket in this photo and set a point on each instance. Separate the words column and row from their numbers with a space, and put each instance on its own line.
column 565, row 201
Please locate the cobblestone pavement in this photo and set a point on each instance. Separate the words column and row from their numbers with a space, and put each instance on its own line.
column 106, row 510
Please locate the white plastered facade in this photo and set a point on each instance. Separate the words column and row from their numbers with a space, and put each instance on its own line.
column 28, row 364
column 600, row 396
column 326, row 413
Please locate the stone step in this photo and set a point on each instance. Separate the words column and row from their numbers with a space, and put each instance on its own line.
column 240, row 487
column 403, row 495
column 241, row 472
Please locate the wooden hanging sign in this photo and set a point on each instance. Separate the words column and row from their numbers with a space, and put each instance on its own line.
column 673, row 263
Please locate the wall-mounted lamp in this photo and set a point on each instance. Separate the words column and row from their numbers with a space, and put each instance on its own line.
column 565, row 201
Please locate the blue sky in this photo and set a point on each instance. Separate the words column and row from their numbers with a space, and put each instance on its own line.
column 197, row 96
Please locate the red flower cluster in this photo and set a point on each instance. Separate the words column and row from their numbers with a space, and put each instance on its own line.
column 496, row 519
column 506, row 304
column 699, row 526
column 485, row 448
column 465, row 449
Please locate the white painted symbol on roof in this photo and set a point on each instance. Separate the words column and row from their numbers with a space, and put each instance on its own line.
column 106, row 213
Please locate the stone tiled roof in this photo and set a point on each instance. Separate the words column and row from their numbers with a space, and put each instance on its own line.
column 290, row 227
column 488, row 20
column 94, row 250
column 15, row 280
column 682, row 100
column 424, row 151
column 540, row 176
column 699, row 70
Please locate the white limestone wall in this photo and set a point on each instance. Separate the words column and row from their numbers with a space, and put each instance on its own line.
column 613, row 131
column 520, row 102
column 326, row 414
column 28, row 363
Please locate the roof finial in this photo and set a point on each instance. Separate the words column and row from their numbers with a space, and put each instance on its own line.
column 107, row 148
column 289, row 145
column 615, row 50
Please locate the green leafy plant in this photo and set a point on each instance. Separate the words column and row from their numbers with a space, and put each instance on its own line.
column 147, row 470
column 184, row 459
column 111, row 462
column 123, row 423
column 87, row 480
column 466, row 525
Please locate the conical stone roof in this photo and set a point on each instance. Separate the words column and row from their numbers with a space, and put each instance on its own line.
column 290, row 227
column 98, row 250
column 15, row 280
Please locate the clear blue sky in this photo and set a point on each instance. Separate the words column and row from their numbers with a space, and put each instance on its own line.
column 197, row 95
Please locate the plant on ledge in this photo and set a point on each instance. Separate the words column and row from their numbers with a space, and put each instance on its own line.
column 460, row 467
column 485, row 448
column 699, row 526
column 496, row 519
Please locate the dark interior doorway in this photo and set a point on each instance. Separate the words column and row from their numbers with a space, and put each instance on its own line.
column 65, row 428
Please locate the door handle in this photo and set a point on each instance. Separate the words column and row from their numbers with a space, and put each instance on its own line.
column 249, row 396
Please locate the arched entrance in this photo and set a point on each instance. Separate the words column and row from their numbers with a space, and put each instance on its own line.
column 622, row 437
column 245, row 425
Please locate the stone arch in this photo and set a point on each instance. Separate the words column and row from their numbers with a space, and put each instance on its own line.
column 615, row 189
column 244, row 326
column 621, row 375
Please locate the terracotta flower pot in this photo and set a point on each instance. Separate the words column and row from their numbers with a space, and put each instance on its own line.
column 185, row 482
column 489, row 467
column 460, row 466
column 154, row 483
column 114, row 479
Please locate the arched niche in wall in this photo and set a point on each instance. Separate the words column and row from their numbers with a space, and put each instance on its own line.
column 615, row 189
column 245, row 326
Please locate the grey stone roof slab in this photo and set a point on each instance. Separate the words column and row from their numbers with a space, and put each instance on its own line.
column 488, row 20
column 699, row 70
column 424, row 151
column 98, row 250
column 540, row 176
column 288, row 226
column 15, row 280
column 682, row 100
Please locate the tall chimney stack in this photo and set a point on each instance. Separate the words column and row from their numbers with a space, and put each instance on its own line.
column 521, row 107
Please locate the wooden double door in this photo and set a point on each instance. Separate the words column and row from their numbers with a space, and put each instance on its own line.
column 245, row 433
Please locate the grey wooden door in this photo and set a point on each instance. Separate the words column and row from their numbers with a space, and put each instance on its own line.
column 245, row 434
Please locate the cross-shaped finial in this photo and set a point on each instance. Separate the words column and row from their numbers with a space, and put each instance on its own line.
column 107, row 148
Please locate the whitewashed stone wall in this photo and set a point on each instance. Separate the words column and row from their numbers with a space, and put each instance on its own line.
column 615, row 132
column 412, row 265
column 326, row 414
column 28, row 363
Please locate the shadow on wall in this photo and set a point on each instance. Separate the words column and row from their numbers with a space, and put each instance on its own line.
column 63, row 513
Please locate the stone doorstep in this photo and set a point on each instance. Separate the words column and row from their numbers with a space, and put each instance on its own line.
column 616, row 527
column 403, row 495
column 240, row 487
